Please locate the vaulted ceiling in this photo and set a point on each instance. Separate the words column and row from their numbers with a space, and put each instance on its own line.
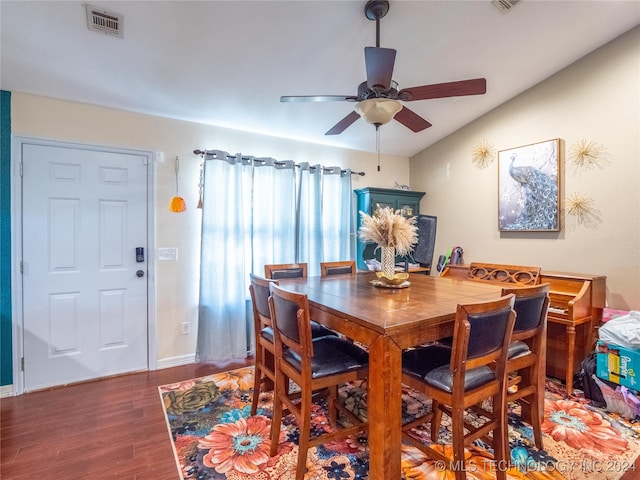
column 227, row 63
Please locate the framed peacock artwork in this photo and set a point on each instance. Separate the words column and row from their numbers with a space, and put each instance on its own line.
column 529, row 188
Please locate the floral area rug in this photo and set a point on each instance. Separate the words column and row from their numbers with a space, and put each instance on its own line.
column 215, row 437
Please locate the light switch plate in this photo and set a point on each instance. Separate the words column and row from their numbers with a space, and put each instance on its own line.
column 168, row 254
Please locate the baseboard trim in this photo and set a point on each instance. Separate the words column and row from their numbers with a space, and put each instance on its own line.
column 6, row 391
column 176, row 361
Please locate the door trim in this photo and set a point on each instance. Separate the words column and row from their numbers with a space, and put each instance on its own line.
column 17, row 251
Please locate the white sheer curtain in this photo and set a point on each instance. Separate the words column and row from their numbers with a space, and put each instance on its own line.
column 257, row 211
column 326, row 231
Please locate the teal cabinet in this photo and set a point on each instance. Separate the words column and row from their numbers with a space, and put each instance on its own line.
column 370, row 198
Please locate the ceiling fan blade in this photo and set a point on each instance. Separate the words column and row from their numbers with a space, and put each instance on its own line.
column 411, row 120
column 318, row 98
column 342, row 125
column 379, row 63
column 476, row 86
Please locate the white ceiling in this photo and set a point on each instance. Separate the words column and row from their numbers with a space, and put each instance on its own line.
column 227, row 63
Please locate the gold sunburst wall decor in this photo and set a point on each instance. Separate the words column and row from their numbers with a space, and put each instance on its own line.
column 585, row 154
column 583, row 209
column 483, row 154
column 579, row 204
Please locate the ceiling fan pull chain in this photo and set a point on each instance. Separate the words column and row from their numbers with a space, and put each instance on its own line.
column 378, row 144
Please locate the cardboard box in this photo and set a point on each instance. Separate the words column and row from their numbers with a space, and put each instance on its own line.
column 618, row 364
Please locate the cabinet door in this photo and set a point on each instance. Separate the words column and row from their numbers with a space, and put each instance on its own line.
column 382, row 200
column 409, row 207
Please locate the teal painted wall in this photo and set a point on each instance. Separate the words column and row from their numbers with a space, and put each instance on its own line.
column 6, row 356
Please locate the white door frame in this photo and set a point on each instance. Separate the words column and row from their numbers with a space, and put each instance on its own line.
column 16, row 248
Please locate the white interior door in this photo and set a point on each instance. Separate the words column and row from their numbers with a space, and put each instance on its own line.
column 84, row 293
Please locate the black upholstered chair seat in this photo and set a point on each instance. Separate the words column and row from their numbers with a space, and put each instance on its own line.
column 317, row 331
column 421, row 360
column 331, row 355
column 431, row 363
column 267, row 334
column 442, row 378
column 517, row 349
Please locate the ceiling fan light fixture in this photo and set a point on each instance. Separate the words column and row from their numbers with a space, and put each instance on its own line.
column 378, row 111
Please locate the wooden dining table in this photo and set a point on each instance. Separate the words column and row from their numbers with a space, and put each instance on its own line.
column 388, row 320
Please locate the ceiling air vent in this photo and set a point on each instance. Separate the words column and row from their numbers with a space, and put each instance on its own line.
column 504, row 5
column 101, row 20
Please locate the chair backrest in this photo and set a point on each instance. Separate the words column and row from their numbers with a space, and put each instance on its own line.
column 285, row 270
column 531, row 306
column 481, row 337
column 259, row 291
column 498, row 273
column 347, row 267
column 291, row 322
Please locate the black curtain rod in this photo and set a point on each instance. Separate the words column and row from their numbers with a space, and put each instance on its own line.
column 204, row 152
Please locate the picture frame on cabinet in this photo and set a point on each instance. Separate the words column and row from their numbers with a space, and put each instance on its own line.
column 529, row 188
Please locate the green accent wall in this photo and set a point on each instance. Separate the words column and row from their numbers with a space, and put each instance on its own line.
column 6, row 356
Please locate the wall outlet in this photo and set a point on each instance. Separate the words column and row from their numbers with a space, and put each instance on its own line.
column 168, row 254
column 186, row 328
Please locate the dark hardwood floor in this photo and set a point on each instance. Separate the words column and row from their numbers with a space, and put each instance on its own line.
column 110, row 428
column 104, row 429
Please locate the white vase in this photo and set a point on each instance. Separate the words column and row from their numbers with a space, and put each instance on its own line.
column 388, row 261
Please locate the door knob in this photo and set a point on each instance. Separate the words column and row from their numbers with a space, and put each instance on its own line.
column 140, row 273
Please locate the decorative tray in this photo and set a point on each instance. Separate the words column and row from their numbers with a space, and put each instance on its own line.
column 383, row 284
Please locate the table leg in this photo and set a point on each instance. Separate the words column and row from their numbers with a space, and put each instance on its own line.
column 385, row 409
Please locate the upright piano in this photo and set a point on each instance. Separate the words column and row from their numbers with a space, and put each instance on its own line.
column 575, row 314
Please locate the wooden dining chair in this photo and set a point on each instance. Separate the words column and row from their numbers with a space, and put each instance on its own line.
column 314, row 365
column 347, row 267
column 264, row 370
column 515, row 275
column 277, row 271
column 461, row 377
column 525, row 362
column 264, row 374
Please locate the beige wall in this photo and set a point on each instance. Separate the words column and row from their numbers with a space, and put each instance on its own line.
column 597, row 99
column 177, row 282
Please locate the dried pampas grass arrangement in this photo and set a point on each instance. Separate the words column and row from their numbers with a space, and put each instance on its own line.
column 389, row 229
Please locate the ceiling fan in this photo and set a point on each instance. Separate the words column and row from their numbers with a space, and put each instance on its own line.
column 378, row 98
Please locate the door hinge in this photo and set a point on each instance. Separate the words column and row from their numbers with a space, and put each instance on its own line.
column 21, row 168
column 21, row 266
column 22, row 364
